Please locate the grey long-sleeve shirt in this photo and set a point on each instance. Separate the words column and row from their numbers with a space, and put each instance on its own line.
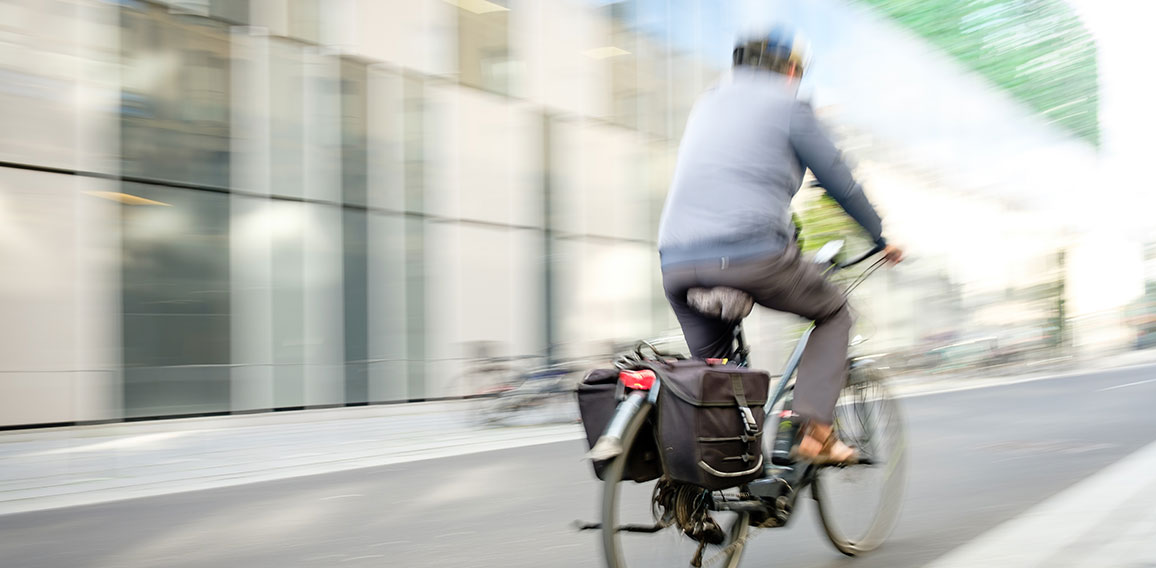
column 746, row 146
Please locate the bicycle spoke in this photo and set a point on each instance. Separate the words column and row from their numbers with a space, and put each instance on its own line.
column 859, row 504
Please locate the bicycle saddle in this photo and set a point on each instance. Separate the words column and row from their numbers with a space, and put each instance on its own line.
column 727, row 304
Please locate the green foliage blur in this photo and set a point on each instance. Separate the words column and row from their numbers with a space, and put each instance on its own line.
column 1038, row 50
column 822, row 220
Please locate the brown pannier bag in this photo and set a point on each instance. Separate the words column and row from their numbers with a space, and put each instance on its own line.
column 597, row 401
column 710, row 422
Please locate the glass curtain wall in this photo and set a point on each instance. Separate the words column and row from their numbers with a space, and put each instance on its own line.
column 384, row 227
column 298, row 226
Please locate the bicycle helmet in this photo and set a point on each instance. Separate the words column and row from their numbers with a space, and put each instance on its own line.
column 777, row 50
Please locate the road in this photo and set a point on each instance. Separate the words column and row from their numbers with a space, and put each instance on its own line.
column 978, row 458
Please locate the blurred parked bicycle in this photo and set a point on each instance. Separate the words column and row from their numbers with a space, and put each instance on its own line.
column 523, row 388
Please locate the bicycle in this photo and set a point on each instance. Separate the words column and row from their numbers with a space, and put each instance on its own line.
column 866, row 417
column 543, row 387
column 508, row 386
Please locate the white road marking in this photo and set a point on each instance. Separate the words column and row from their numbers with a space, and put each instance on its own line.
column 1003, row 383
column 949, row 390
column 342, row 496
column 1067, row 520
column 1127, row 385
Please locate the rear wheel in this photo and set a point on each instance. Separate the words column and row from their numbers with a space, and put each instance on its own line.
column 859, row 505
column 626, row 503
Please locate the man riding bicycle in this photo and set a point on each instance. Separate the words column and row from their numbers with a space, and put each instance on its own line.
column 727, row 222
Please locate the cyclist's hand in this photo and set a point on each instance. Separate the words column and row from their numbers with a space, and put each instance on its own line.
column 892, row 254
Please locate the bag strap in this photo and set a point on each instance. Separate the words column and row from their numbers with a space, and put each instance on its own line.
column 748, row 417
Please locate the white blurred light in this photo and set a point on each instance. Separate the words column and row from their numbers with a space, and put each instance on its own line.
column 605, row 52
column 275, row 220
column 478, row 6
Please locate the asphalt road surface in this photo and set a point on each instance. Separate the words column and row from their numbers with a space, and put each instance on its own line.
column 978, row 458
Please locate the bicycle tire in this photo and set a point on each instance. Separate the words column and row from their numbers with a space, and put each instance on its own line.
column 891, row 464
column 614, row 555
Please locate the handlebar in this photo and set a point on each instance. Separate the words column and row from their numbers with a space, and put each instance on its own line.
column 875, row 250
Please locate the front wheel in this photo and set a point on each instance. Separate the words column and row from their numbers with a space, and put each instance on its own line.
column 859, row 505
column 630, row 504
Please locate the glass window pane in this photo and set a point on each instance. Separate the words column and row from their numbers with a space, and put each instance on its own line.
column 305, row 20
column 236, row 11
column 387, row 308
column 287, row 118
column 354, row 132
column 608, row 200
column 252, row 306
column 356, row 298
column 324, row 312
column 50, row 52
column 385, row 134
column 484, row 59
column 415, row 302
column 39, row 250
column 624, row 67
column 175, row 297
column 175, row 96
column 287, row 219
column 414, row 119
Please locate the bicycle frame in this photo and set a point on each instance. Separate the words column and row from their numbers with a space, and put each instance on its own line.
column 788, row 371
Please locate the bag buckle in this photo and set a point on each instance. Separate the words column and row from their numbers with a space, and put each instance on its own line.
column 749, row 419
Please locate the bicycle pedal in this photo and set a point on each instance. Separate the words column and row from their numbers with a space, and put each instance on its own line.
column 707, row 532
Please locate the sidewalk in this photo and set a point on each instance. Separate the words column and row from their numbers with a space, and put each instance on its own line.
column 64, row 467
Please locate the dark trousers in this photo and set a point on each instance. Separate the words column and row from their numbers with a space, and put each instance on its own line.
column 783, row 282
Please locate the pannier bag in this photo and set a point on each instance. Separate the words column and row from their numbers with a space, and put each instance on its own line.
column 710, row 422
column 597, row 401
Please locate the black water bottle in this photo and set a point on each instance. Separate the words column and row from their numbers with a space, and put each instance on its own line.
column 785, row 436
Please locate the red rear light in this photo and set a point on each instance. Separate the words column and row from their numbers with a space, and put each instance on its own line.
column 638, row 380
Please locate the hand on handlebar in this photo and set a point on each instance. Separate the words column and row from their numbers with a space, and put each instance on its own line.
column 892, row 254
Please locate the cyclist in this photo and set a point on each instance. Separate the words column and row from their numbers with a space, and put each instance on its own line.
column 727, row 222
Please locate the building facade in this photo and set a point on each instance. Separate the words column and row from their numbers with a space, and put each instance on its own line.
column 222, row 206
column 232, row 206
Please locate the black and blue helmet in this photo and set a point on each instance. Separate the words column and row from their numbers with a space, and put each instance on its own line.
column 776, row 50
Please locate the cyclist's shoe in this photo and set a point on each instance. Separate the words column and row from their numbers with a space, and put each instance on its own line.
column 846, row 455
